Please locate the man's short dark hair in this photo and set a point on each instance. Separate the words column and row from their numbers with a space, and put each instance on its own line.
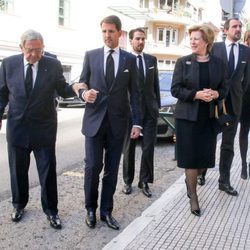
column 227, row 23
column 113, row 20
column 131, row 32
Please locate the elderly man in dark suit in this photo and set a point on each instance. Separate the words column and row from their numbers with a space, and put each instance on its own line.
column 112, row 92
column 237, row 59
column 28, row 82
column 149, row 84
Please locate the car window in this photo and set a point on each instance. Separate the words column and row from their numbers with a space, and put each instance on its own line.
column 165, row 80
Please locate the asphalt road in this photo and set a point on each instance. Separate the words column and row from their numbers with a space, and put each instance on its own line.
column 69, row 148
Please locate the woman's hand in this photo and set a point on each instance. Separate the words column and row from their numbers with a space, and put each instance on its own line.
column 214, row 93
column 206, row 95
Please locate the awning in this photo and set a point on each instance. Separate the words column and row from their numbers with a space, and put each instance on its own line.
column 131, row 12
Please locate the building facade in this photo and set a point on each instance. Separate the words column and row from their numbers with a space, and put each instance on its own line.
column 166, row 23
column 70, row 27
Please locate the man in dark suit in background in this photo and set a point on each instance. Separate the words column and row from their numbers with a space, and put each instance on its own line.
column 46, row 53
column 28, row 82
column 237, row 59
column 112, row 92
column 149, row 84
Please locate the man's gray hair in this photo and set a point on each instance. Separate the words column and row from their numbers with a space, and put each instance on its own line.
column 30, row 35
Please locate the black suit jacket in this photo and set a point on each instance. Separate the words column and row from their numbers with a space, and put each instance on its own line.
column 240, row 78
column 31, row 122
column 185, row 84
column 118, row 101
column 150, row 87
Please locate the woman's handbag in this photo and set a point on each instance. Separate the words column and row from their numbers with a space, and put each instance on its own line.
column 222, row 118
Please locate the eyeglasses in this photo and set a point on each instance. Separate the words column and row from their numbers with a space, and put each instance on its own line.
column 29, row 51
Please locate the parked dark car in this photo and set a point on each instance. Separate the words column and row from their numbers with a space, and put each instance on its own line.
column 166, row 126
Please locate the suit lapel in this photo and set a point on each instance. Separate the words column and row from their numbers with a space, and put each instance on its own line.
column 100, row 63
column 19, row 72
column 122, row 61
column 20, row 67
column 239, row 58
column 195, row 68
column 147, row 63
column 224, row 53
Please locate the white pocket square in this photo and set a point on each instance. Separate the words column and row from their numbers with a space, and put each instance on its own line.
column 243, row 62
column 188, row 62
column 126, row 70
column 151, row 67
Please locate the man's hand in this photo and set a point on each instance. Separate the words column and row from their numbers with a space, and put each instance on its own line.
column 90, row 95
column 135, row 132
column 77, row 86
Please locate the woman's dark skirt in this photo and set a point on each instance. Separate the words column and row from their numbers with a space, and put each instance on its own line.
column 196, row 142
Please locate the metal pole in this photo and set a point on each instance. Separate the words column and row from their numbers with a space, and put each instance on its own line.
column 231, row 14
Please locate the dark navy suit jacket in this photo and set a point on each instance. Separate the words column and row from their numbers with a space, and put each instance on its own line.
column 33, row 121
column 118, row 101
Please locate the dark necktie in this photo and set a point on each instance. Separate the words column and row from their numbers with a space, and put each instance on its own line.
column 110, row 69
column 231, row 60
column 29, row 80
column 141, row 71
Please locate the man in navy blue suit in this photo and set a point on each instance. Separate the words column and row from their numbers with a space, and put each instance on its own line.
column 28, row 82
column 111, row 97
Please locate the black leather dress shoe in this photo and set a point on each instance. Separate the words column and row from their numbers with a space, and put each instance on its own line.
column 54, row 221
column 127, row 189
column 17, row 214
column 145, row 188
column 110, row 221
column 90, row 219
column 228, row 189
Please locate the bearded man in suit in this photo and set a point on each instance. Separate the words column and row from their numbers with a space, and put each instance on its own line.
column 150, row 103
column 237, row 60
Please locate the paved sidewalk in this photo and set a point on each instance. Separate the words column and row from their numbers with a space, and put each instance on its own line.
column 34, row 233
column 169, row 224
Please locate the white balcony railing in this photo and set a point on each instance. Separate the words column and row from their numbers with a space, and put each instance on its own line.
column 174, row 50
